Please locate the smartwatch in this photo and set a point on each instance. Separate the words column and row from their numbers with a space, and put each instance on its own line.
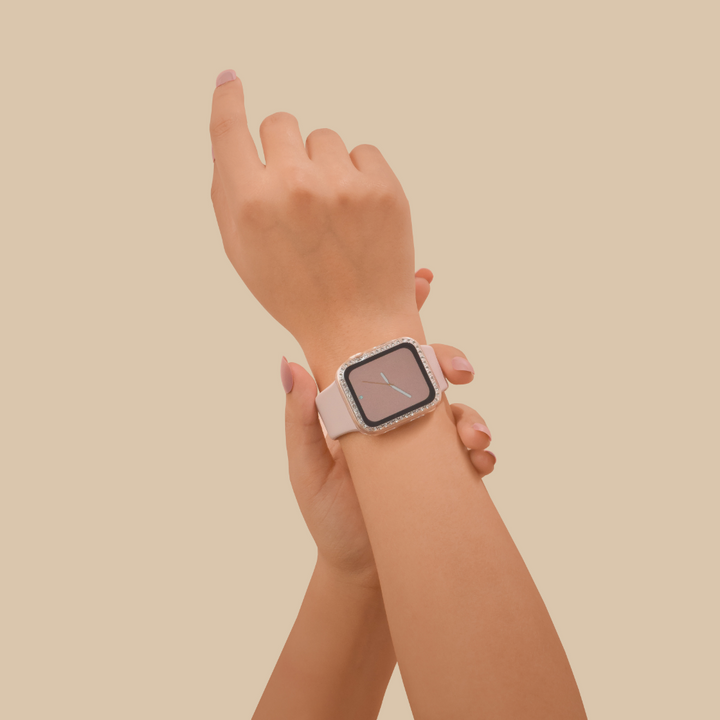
column 381, row 389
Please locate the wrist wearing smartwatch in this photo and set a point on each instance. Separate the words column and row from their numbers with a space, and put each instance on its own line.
column 382, row 388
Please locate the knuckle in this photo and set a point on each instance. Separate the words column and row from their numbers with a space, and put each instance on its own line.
column 278, row 117
column 347, row 194
column 320, row 132
column 253, row 210
column 363, row 151
column 299, row 184
column 386, row 196
column 224, row 124
column 366, row 147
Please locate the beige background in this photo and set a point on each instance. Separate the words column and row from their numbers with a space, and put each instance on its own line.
column 561, row 160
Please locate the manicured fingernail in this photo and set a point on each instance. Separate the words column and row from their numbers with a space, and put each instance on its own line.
column 490, row 452
column 286, row 375
column 460, row 363
column 225, row 76
column 483, row 429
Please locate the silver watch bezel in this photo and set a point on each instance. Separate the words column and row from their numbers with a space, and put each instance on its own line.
column 355, row 414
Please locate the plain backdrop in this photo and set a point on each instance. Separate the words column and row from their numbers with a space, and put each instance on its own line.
column 562, row 164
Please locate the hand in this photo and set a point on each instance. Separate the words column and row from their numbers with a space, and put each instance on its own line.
column 320, row 477
column 321, row 237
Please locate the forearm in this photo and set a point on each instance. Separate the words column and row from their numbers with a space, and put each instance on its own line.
column 338, row 658
column 472, row 635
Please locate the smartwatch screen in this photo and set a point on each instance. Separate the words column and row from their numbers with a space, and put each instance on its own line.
column 389, row 384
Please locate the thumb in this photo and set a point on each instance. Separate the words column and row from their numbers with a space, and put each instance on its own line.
column 309, row 458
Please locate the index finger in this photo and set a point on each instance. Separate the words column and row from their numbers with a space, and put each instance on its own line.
column 236, row 157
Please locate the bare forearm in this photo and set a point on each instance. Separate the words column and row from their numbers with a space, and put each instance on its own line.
column 338, row 658
column 472, row 635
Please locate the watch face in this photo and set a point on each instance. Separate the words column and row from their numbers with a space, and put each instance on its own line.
column 389, row 384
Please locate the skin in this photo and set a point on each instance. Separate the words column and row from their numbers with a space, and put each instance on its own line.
column 339, row 657
column 323, row 240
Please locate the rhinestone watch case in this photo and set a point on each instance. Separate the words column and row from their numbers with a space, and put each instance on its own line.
column 395, row 422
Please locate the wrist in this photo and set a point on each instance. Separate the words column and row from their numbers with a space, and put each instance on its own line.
column 325, row 355
column 363, row 584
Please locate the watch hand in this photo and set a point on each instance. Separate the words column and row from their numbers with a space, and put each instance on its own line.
column 395, row 387
column 374, row 382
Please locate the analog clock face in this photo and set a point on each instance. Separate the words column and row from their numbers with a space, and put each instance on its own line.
column 389, row 384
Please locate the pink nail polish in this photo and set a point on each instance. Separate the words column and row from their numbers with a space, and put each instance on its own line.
column 460, row 363
column 490, row 452
column 483, row 429
column 225, row 76
column 286, row 375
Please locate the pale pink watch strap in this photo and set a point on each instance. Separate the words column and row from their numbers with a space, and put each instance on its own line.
column 334, row 413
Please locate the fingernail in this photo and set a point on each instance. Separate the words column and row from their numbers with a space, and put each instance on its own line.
column 460, row 363
column 286, row 375
column 490, row 452
column 483, row 429
column 225, row 76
